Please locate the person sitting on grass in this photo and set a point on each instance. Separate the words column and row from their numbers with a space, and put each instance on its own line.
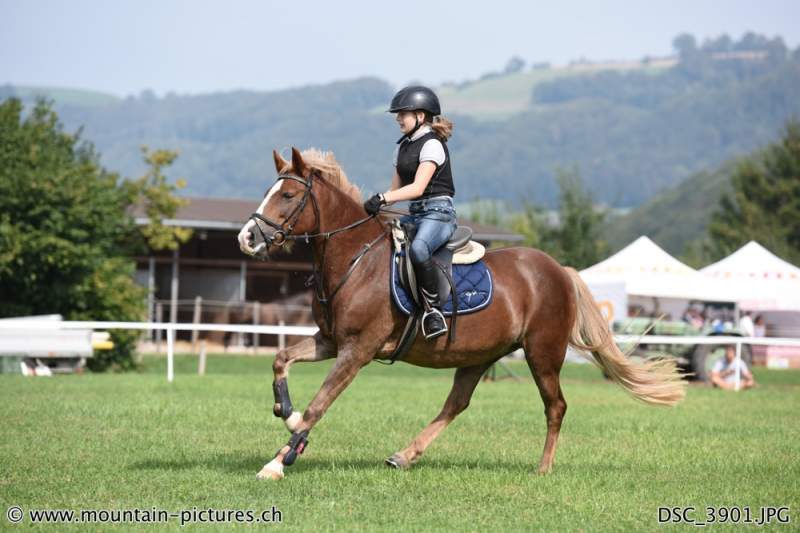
column 723, row 375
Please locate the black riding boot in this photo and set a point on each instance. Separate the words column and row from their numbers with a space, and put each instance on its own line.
column 433, row 323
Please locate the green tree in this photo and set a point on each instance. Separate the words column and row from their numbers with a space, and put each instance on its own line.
column 156, row 196
column 576, row 241
column 533, row 225
column 765, row 203
column 66, row 236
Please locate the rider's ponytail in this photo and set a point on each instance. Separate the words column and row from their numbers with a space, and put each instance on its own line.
column 442, row 127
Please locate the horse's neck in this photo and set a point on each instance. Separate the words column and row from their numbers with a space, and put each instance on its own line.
column 337, row 211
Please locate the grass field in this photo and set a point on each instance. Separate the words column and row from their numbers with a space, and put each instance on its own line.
column 135, row 441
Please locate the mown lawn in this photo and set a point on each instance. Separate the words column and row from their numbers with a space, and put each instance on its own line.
column 135, row 441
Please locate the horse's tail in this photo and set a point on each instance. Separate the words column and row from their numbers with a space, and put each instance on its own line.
column 654, row 381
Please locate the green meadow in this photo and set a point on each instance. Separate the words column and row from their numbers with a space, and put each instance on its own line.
column 134, row 441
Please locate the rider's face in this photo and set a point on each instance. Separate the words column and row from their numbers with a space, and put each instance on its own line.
column 405, row 119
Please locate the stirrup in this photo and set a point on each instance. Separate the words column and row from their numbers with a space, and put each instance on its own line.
column 437, row 332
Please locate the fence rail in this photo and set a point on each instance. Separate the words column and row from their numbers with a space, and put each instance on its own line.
column 171, row 328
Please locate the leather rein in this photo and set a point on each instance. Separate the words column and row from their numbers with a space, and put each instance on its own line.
column 283, row 233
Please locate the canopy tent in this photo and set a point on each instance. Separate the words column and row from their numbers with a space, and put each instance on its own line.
column 759, row 279
column 647, row 270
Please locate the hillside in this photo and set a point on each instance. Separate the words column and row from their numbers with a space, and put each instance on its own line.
column 69, row 97
column 501, row 96
column 675, row 217
column 632, row 129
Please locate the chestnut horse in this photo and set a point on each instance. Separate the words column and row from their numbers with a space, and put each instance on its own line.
column 538, row 306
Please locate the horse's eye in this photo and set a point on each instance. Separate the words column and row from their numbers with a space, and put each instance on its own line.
column 288, row 194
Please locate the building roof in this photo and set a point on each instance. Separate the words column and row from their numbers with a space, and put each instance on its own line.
column 231, row 214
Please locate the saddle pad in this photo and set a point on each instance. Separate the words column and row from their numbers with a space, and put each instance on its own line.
column 473, row 289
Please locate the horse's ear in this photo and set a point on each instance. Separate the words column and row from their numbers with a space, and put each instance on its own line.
column 280, row 163
column 298, row 165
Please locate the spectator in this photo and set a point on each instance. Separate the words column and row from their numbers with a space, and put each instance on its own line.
column 723, row 375
column 759, row 327
column 746, row 325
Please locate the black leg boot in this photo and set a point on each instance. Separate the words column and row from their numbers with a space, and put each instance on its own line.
column 433, row 323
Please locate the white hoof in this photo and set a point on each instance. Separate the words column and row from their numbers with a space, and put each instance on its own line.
column 293, row 421
column 271, row 470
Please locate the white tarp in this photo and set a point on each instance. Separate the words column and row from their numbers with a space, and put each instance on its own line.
column 760, row 280
column 647, row 270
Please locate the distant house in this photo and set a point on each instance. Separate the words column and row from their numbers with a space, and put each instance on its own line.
column 210, row 264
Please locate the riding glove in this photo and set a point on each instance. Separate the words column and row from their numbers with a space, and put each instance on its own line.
column 373, row 205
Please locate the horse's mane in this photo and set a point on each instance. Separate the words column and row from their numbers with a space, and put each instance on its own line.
column 325, row 162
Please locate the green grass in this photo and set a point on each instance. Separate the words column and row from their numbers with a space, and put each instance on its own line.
column 135, row 441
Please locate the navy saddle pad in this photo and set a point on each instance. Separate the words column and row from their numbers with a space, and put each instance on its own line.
column 473, row 288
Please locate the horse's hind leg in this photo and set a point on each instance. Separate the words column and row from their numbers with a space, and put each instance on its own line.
column 464, row 383
column 545, row 357
column 316, row 348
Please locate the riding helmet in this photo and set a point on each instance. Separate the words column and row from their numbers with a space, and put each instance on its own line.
column 415, row 97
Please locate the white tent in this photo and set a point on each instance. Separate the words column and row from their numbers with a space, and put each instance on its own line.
column 647, row 270
column 759, row 279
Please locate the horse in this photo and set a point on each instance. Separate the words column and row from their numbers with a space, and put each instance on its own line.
column 294, row 309
column 537, row 305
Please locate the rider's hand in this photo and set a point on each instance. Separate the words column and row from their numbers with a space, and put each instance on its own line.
column 373, row 205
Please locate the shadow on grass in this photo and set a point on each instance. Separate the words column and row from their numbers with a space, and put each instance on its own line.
column 252, row 463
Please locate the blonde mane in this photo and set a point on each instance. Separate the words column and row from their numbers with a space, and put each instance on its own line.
column 325, row 162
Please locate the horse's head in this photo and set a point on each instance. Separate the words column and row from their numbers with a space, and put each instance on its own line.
column 289, row 207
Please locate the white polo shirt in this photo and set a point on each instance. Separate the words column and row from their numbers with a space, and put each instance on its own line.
column 432, row 150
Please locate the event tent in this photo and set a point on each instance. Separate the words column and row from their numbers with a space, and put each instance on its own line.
column 647, row 270
column 758, row 279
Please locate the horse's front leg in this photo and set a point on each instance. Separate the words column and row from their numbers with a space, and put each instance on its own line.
column 316, row 348
column 348, row 363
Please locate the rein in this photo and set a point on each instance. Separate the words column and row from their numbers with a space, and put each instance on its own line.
column 284, row 231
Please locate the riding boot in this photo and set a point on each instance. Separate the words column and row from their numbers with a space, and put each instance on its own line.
column 433, row 323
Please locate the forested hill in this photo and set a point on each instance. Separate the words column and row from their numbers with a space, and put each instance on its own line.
column 631, row 129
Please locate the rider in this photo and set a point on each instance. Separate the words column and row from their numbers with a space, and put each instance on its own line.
column 423, row 174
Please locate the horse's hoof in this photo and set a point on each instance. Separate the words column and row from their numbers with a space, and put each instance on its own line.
column 398, row 462
column 271, row 470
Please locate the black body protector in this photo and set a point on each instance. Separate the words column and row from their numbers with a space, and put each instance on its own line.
column 408, row 162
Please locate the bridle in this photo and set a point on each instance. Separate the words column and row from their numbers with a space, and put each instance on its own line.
column 285, row 228
column 284, row 232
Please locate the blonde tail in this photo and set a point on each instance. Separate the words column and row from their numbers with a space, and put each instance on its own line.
column 654, row 381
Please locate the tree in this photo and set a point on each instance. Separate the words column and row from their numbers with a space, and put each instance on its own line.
column 156, row 196
column 66, row 236
column 685, row 45
column 765, row 203
column 514, row 65
column 576, row 240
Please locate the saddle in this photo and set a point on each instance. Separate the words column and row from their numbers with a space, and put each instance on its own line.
column 459, row 250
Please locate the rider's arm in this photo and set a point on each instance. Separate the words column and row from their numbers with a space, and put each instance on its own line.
column 412, row 191
column 395, row 182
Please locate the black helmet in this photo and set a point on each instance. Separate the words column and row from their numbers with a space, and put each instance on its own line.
column 415, row 98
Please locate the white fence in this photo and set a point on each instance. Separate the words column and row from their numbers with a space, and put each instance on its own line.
column 171, row 328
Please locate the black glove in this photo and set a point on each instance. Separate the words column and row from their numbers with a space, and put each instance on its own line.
column 373, row 205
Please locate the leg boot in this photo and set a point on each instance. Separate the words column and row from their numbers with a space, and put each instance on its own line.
column 433, row 323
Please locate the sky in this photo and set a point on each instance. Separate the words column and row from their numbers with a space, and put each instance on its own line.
column 124, row 47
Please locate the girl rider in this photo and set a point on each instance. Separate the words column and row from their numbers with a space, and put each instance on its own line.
column 423, row 174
